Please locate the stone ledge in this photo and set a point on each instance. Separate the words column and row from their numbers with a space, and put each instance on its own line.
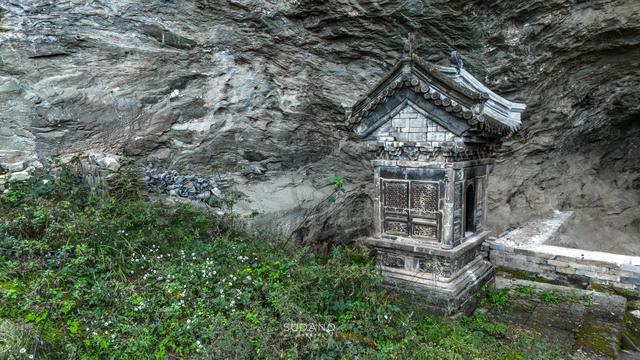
column 633, row 268
column 424, row 249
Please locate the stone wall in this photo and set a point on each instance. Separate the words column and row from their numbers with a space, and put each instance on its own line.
column 524, row 250
column 410, row 125
column 572, row 266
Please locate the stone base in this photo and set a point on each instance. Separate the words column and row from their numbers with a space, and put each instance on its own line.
column 443, row 298
column 445, row 281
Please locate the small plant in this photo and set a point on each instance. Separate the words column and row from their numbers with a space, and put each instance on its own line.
column 338, row 187
column 338, row 183
column 549, row 297
column 491, row 328
column 525, row 291
column 496, row 298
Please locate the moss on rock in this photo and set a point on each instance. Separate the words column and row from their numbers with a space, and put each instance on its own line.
column 592, row 338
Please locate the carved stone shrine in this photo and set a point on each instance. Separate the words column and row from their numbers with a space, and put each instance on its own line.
column 434, row 131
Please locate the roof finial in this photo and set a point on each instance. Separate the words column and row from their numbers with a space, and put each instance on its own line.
column 409, row 45
column 456, row 61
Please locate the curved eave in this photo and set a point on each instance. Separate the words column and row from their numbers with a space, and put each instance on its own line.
column 496, row 107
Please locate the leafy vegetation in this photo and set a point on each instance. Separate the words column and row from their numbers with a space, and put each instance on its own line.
column 82, row 276
column 338, row 187
column 503, row 299
column 498, row 299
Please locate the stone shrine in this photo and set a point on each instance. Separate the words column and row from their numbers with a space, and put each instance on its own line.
column 434, row 131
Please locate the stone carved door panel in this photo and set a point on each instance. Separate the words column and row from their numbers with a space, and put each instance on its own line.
column 411, row 209
column 395, row 207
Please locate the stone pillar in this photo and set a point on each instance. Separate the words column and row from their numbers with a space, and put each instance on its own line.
column 485, row 201
column 447, row 208
column 377, row 207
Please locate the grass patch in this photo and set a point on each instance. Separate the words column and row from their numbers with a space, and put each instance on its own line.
column 502, row 299
column 87, row 277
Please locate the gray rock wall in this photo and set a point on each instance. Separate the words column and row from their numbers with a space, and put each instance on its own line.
column 253, row 89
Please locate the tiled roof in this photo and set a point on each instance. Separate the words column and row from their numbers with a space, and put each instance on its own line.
column 460, row 94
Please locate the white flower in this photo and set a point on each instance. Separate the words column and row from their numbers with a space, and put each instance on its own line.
column 23, row 350
column 189, row 321
column 31, row 356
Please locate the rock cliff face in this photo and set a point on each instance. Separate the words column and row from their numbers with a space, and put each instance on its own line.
column 253, row 89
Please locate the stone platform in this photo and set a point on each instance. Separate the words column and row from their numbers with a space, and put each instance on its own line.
column 444, row 280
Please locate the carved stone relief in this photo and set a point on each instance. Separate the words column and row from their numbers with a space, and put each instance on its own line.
column 391, row 260
column 424, row 196
column 395, row 194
